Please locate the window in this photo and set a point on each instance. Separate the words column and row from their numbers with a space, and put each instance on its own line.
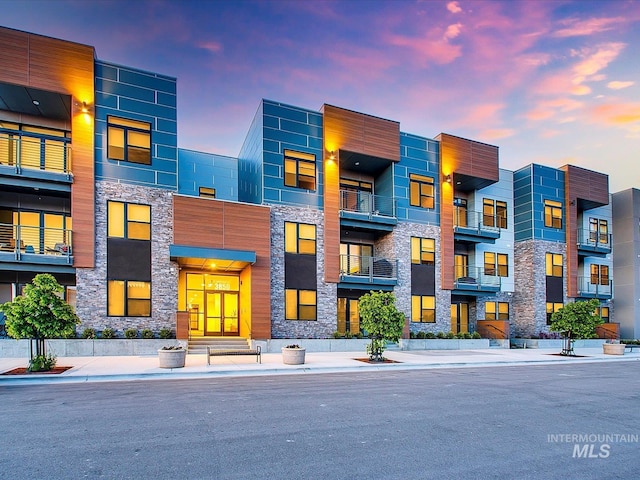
column 126, row 298
column 551, row 309
column 598, row 231
column 423, row 309
column 553, row 265
column 421, row 191
column 599, row 274
column 496, row 264
column 299, row 170
column 496, row 311
column 423, row 251
column 552, row 214
column 300, row 238
column 494, row 213
column 603, row 312
column 129, row 220
column 129, row 140
column 207, row 192
column 300, row 304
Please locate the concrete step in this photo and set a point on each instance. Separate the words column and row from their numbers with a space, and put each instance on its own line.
column 200, row 344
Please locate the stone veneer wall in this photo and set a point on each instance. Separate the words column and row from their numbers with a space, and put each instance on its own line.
column 530, row 298
column 398, row 245
column 327, row 311
column 91, row 301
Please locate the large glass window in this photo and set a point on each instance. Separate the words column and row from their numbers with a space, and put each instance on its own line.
column 300, row 304
column 496, row 264
column 421, row 191
column 423, row 309
column 129, row 140
column 496, row 311
column 599, row 274
column 552, row 214
column 551, row 309
column 494, row 213
column 603, row 312
column 299, row 170
column 126, row 298
column 129, row 220
column 598, row 230
column 423, row 251
column 300, row 238
column 553, row 265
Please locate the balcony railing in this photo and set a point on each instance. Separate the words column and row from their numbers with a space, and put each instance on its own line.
column 368, row 268
column 29, row 240
column 23, row 151
column 594, row 241
column 600, row 288
column 474, row 278
column 472, row 223
column 367, row 203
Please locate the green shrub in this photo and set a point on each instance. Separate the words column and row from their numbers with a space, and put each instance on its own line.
column 430, row 335
column 337, row 334
column 348, row 335
column 70, row 334
column 412, row 334
column 165, row 333
column 89, row 333
column 42, row 363
column 440, row 335
column 476, row 336
column 359, row 335
column 421, row 335
column 148, row 334
column 108, row 333
column 451, row 335
column 131, row 333
column 466, row 336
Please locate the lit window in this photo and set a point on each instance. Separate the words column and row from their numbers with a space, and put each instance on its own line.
column 603, row 312
column 598, row 231
column 553, row 265
column 300, row 304
column 207, row 192
column 129, row 140
column 496, row 264
column 599, row 274
column 127, row 298
column 300, row 238
column 496, row 311
column 494, row 213
column 423, row 251
column 299, row 170
column 421, row 190
column 552, row 214
column 423, row 309
column 129, row 220
column 551, row 309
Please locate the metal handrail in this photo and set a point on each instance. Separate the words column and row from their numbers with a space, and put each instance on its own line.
column 586, row 287
column 474, row 220
column 27, row 239
column 504, row 334
column 367, row 266
column 475, row 276
column 594, row 239
column 22, row 150
column 367, row 203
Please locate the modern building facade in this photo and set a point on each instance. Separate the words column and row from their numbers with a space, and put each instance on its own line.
column 319, row 207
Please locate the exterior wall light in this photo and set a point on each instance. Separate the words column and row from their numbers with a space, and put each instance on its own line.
column 447, row 178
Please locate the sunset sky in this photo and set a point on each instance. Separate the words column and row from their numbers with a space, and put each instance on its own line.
column 550, row 82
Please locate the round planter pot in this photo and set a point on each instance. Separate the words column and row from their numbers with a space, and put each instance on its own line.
column 293, row 356
column 172, row 358
column 613, row 348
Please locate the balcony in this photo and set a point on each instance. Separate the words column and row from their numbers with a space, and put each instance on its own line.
column 593, row 243
column 369, row 271
column 365, row 210
column 40, row 245
column 473, row 281
column 601, row 288
column 35, row 156
column 474, row 227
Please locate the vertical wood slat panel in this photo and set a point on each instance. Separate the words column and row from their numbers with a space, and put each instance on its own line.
column 332, row 220
column 67, row 68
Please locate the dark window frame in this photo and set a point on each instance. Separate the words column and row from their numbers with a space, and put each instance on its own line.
column 127, row 222
column 553, row 214
column 299, row 239
column 424, row 198
column 300, row 305
column 127, row 299
column 431, row 312
column 128, row 151
column 300, row 159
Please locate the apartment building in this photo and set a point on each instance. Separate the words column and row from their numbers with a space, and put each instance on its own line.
column 319, row 207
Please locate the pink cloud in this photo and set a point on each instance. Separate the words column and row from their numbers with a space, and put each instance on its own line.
column 212, row 47
column 618, row 85
column 574, row 27
column 617, row 114
column 453, row 30
column 594, row 62
column 454, row 7
column 496, row 133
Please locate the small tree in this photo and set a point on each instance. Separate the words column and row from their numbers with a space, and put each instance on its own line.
column 382, row 320
column 38, row 314
column 576, row 320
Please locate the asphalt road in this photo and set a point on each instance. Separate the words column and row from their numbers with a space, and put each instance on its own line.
column 482, row 423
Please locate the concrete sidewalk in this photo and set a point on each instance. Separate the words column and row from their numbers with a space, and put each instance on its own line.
column 145, row 367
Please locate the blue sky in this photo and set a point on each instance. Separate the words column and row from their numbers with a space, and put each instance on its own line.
column 550, row 82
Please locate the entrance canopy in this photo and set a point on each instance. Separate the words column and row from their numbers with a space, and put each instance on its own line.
column 220, row 259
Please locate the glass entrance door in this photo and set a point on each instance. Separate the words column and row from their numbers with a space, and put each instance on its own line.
column 348, row 316
column 221, row 314
column 460, row 317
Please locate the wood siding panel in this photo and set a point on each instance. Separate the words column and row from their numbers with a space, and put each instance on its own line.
column 66, row 68
column 468, row 157
column 210, row 223
column 332, row 220
column 361, row 133
column 581, row 185
column 447, row 249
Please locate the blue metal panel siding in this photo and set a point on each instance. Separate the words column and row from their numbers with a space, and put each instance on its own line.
column 420, row 156
column 199, row 169
column 250, row 168
column 548, row 184
column 286, row 127
column 138, row 95
column 523, row 221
